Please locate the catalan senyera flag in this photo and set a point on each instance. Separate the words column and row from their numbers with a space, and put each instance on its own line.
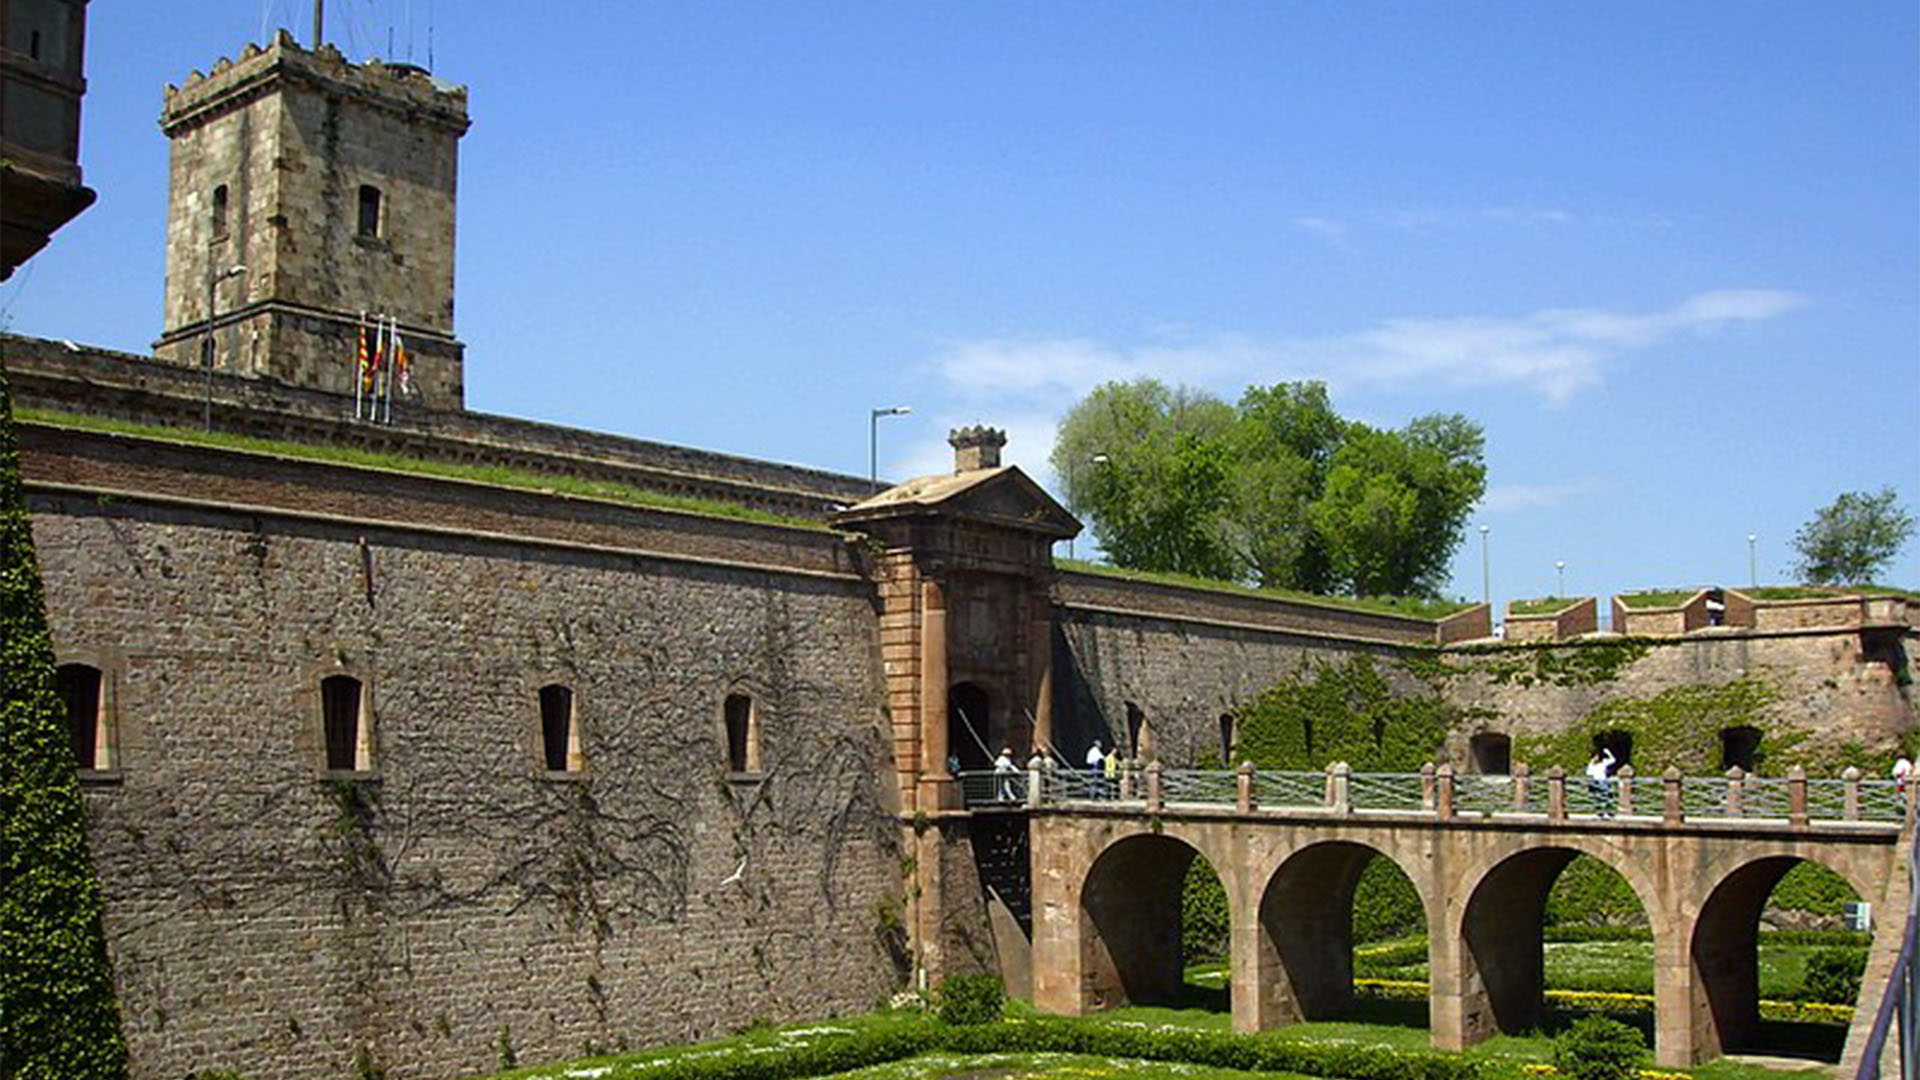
column 366, row 363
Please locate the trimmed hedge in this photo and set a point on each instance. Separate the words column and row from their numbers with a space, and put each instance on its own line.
column 58, row 1016
column 841, row 1053
column 970, row 999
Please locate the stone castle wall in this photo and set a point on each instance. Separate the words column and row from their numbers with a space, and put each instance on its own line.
column 268, row 918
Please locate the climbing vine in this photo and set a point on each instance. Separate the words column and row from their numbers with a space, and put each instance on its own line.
column 58, row 1015
column 1678, row 727
column 1587, row 663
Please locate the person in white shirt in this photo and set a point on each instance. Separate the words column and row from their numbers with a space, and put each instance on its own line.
column 1096, row 760
column 1598, row 769
column 1004, row 769
column 1902, row 769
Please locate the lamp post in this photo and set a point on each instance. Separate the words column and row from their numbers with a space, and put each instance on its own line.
column 206, row 341
column 1486, row 569
column 1097, row 459
column 1753, row 572
column 873, row 439
column 1560, row 568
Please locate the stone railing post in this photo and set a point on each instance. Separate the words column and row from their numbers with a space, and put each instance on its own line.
column 1243, row 788
column 1127, row 785
column 1736, row 790
column 1850, row 777
column 1340, row 787
column 1426, row 786
column 1625, row 779
column 1443, row 790
column 1676, row 809
column 1522, row 786
column 1557, row 793
column 1797, row 796
column 1034, row 788
column 1155, row 801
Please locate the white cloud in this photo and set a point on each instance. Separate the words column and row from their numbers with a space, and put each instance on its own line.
column 1502, row 498
column 1555, row 353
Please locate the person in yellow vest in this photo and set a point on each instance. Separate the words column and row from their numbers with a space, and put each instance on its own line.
column 1110, row 769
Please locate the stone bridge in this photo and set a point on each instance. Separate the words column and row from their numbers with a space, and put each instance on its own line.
column 1108, row 860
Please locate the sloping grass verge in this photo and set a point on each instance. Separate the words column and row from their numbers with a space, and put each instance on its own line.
column 1408, row 606
column 495, row 475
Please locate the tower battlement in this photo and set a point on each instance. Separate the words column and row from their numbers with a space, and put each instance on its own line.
column 232, row 83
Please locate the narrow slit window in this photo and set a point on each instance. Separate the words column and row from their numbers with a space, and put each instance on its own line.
column 369, row 210
column 340, row 709
column 1226, row 740
column 559, row 741
column 219, row 212
column 79, row 689
column 743, row 735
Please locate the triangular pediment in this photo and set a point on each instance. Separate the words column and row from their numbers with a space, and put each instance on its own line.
column 1003, row 496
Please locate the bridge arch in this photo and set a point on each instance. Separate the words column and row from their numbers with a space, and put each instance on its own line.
column 1130, row 917
column 1724, row 942
column 1497, row 980
column 1303, row 962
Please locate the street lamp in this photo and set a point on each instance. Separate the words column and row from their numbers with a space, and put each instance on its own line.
column 1560, row 567
column 1097, row 459
column 1753, row 573
column 873, row 439
column 1486, row 569
column 206, row 340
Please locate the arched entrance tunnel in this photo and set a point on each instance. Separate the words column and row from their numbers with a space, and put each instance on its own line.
column 1306, row 939
column 969, row 734
column 1131, row 912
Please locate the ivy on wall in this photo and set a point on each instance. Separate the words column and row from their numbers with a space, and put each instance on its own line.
column 1344, row 711
column 58, row 1016
column 1679, row 726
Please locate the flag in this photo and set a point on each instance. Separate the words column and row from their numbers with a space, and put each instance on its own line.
column 369, row 362
column 403, row 370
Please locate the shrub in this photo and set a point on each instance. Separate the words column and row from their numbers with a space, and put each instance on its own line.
column 971, row 999
column 1596, row 1048
column 1833, row 975
column 58, row 1015
column 1203, row 915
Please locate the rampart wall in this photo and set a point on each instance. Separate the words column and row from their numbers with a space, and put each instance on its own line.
column 457, row 898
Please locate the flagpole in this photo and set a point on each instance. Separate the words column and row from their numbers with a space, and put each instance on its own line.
column 393, row 358
column 380, row 375
column 359, row 363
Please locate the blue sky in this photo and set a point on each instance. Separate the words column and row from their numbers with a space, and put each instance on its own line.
column 1668, row 254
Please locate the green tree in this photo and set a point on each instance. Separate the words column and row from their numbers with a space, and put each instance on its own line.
column 1279, row 490
column 58, row 1017
column 1853, row 539
column 1150, row 465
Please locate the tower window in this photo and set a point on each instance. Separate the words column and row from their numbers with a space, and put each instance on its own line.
column 220, row 212
column 79, row 688
column 369, row 211
column 559, row 735
column 348, row 749
column 743, row 734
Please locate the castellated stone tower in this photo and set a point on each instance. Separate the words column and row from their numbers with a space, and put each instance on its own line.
column 333, row 184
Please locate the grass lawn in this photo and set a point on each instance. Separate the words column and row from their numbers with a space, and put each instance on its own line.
column 1657, row 598
column 1546, row 605
column 1609, row 966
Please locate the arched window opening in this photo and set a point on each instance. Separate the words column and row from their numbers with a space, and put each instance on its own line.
column 369, row 211
column 1740, row 746
column 743, row 734
column 969, row 729
column 340, row 706
column 1619, row 742
column 219, row 212
column 1492, row 753
column 559, row 735
column 1226, row 739
column 79, row 688
column 1139, row 736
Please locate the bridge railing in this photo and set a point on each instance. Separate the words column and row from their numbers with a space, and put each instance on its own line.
column 1437, row 790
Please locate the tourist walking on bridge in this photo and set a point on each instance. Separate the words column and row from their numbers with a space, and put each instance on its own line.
column 1096, row 771
column 1597, row 781
column 1004, row 771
